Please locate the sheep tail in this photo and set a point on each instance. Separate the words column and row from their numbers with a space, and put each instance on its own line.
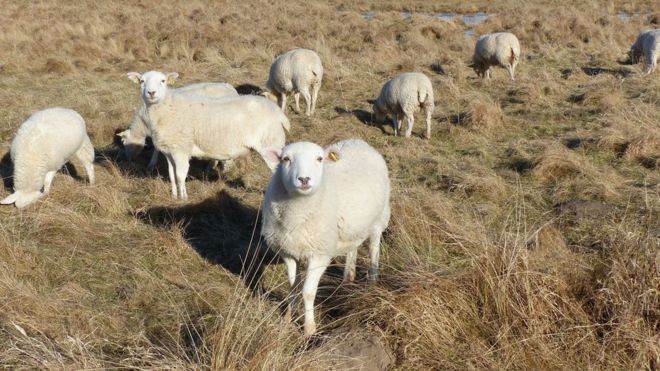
column 513, row 56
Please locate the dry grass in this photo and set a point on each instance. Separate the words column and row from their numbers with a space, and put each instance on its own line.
column 524, row 232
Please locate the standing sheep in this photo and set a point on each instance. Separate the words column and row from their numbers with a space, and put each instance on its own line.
column 184, row 126
column 298, row 71
column 647, row 49
column 43, row 144
column 321, row 203
column 496, row 49
column 135, row 136
column 402, row 97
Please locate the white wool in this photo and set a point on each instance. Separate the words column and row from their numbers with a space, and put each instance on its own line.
column 404, row 95
column 321, row 203
column 43, row 144
column 135, row 136
column 647, row 49
column 496, row 49
column 298, row 71
column 185, row 126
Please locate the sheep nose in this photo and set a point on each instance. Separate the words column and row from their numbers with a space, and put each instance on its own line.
column 304, row 180
column 151, row 93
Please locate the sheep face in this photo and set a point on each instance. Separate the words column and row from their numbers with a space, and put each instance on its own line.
column 301, row 166
column 153, row 84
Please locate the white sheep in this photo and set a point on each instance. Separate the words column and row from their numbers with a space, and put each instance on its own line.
column 496, row 49
column 46, row 141
column 401, row 97
column 185, row 126
column 321, row 203
column 298, row 71
column 135, row 136
column 647, row 49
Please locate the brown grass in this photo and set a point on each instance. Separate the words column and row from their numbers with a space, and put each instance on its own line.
column 524, row 233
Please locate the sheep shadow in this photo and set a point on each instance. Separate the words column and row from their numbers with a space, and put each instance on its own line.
column 248, row 89
column 222, row 230
column 7, row 172
column 595, row 71
column 365, row 117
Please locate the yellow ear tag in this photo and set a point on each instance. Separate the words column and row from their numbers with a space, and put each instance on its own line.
column 171, row 81
column 333, row 156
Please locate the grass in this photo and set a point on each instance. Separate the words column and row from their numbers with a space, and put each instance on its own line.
column 524, row 233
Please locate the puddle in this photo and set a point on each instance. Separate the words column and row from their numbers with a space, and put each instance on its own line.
column 369, row 14
column 469, row 19
column 626, row 17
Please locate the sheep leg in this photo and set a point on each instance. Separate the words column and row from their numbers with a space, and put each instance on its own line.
column 296, row 99
column 153, row 161
column 181, row 166
column 281, row 100
column 308, row 101
column 410, row 120
column 315, row 95
column 487, row 73
column 170, row 172
column 48, row 180
column 374, row 254
column 397, row 125
column 316, row 267
column 349, row 269
column 86, row 155
column 212, row 165
column 227, row 164
column 428, row 110
column 511, row 68
column 293, row 282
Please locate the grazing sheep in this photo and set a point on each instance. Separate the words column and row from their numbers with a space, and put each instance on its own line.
column 402, row 97
column 135, row 136
column 43, row 144
column 184, row 126
column 647, row 49
column 321, row 203
column 298, row 71
column 496, row 49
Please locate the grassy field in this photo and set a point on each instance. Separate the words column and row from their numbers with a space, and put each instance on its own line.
column 525, row 233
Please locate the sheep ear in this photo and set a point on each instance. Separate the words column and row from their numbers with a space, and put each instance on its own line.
column 272, row 155
column 134, row 76
column 331, row 154
column 171, row 77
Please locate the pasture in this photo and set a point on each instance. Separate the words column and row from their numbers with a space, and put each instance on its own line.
column 525, row 234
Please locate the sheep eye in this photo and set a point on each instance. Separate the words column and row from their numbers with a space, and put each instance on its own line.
column 285, row 159
column 141, row 81
column 319, row 159
column 162, row 81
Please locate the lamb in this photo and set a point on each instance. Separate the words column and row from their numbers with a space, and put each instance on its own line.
column 401, row 97
column 321, row 203
column 185, row 126
column 134, row 137
column 496, row 49
column 298, row 71
column 43, row 144
column 647, row 49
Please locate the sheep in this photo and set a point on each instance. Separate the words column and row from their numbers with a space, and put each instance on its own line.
column 134, row 137
column 496, row 49
column 647, row 49
column 46, row 141
column 184, row 126
column 323, row 202
column 401, row 97
column 298, row 71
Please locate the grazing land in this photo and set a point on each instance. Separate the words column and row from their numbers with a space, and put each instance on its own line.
column 525, row 234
